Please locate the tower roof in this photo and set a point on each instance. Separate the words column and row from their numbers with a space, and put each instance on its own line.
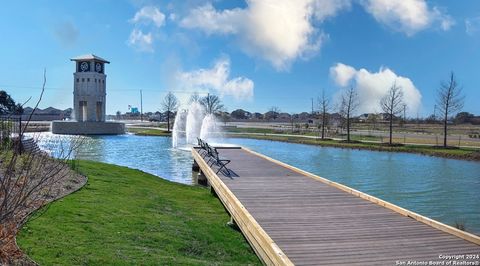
column 89, row 57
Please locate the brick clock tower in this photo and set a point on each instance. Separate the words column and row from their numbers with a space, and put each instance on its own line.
column 89, row 89
column 89, row 101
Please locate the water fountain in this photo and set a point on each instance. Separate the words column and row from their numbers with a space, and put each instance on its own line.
column 193, row 123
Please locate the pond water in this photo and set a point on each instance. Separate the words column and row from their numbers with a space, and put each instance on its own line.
column 443, row 189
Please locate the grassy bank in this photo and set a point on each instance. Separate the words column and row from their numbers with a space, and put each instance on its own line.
column 149, row 132
column 455, row 153
column 359, row 142
column 124, row 217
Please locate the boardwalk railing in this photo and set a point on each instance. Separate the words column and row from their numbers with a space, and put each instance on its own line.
column 10, row 127
column 290, row 216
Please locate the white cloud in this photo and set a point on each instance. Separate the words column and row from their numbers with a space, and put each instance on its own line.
column 218, row 79
column 372, row 86
column 141, row 41
column 208, row 19
column 472, row 26
column 281, row 32
column 342, row 74
column 324, row 9
column 277, row 31
column 408, row 16
column 149, row 14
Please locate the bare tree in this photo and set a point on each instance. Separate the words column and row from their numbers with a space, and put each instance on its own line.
column 273, row 113
column 392, row 104
column 449, row 101
column 348, row 106
column 372, row 119
column 195, row 97
column 28, row 179
column 292, row 120
column 169, row 105
column 324, row 106
column 212, row 104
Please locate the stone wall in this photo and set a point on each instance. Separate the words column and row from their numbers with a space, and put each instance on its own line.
column 87, row 128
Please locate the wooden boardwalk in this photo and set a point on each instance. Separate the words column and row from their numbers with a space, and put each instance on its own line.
column 290, row 216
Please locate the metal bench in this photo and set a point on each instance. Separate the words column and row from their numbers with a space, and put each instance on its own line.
column 203, row 147
column 220, row 162
column 213, row 156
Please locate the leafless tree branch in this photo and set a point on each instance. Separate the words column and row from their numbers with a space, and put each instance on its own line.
column 324, row 106
column 449, row 101
column 169, row 105
column 348, row 106
column 392, row 105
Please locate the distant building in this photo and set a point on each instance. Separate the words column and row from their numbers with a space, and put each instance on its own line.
column 284, row 116
column 134, row 110
column 257, row 116
column 47, row 114
column 373, row 117
column 363, row 117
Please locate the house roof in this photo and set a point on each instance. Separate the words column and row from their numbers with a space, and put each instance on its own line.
column 47, row 111
column 89, row 57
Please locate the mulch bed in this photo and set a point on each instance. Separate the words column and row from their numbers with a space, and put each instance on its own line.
column 10, row 253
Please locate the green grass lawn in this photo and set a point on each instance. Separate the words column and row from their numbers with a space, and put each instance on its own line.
column 255, row 130
column 149, row 132
column 124, row 217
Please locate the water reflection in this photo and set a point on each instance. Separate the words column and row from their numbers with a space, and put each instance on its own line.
column 153, row 155
column 443, row 189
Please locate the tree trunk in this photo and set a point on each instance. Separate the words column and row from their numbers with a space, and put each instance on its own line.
column 168, row 121
column 391, row 127
column 348, row 128
column 323, row 126
column 445, row 131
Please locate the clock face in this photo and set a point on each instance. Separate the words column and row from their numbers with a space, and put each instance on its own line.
column 84, row 66
column 98, row 67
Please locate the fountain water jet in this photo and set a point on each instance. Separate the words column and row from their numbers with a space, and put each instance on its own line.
column 194, row 123
column 179, row 129
column 210, row 128
column 196, row 112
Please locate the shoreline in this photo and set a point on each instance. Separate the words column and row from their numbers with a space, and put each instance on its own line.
column 448, row 153
column 145, row 219
column 466, row 154
column 68, row 185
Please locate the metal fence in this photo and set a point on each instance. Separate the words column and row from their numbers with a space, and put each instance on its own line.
column 10, row 127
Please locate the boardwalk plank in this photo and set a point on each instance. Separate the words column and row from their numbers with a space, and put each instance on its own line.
column 314, row 223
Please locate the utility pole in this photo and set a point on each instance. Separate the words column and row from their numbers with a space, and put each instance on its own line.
column 404, row 114
column 435, row 112
column 141, row 106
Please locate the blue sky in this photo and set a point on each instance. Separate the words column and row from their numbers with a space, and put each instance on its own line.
column 254, row 54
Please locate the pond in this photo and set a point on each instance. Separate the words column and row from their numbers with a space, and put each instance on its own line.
column 443, row 189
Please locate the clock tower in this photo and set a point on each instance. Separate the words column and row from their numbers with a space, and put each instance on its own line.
column 89, row 99
column 89, row 88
